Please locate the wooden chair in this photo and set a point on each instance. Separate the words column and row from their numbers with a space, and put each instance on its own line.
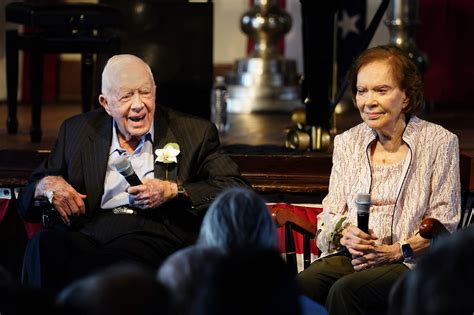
column 56, row 28
column 431, row 228
column 293, row 222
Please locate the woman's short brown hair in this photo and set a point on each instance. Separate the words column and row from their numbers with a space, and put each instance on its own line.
column 404, row 71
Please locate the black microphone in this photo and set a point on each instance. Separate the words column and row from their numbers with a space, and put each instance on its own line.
column 125, row 168
column 363, row 205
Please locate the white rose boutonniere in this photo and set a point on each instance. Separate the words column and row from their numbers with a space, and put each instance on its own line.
column 167, row 155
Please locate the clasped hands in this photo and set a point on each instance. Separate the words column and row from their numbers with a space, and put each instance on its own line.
column 365, row 253
column 68, row 202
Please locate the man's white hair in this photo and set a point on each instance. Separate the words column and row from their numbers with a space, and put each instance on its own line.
column 111, row 66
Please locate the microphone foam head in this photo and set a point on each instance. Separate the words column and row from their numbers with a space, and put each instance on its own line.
column 363, row 198
column 123, row 166
column 363, row 203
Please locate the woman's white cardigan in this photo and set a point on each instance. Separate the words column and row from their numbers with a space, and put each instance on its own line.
column 429, row 186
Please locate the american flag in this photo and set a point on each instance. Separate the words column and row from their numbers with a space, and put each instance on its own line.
column 351, row 23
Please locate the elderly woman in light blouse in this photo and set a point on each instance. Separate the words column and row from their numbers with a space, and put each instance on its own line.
column 409, row 166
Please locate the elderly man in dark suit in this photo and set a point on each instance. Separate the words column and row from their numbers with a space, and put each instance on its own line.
column 105, row 219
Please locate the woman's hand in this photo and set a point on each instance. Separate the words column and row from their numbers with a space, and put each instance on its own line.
column 377, row 256
column 356, row 241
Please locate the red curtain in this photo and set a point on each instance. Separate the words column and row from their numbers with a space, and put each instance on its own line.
column 445, row 36
column 50, row 74
column 50, row 66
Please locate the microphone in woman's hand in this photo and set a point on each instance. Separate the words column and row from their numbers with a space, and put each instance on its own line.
column 363, row 205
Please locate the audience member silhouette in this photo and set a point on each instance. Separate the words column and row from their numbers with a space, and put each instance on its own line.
column 238, row 218
column 120, row 289
column 19, row 300
column 249, row 282
column 5, row 277
column 441, row 283
column 184, row 274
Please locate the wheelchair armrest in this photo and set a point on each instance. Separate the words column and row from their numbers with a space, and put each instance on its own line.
column 50, row 216
column 431, row 228
column 42, row 203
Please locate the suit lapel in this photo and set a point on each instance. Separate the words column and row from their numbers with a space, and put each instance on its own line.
column 94, row 160
column 164, row 135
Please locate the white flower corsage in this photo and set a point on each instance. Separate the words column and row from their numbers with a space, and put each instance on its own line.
column 330, row 232
column 167, row 155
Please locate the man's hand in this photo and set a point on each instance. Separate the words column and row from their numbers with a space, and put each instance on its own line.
column 152, row 193
column 65, row 199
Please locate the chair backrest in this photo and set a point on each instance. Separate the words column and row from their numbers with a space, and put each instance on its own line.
column 285, row 216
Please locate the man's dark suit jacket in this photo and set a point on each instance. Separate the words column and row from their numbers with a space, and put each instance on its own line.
column 81, row 153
